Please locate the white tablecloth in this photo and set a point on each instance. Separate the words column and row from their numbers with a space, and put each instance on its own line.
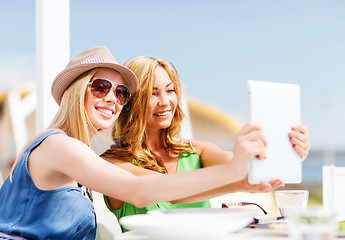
column 257, row 234
column 244, row 234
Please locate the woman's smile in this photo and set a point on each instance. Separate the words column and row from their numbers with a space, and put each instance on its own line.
column 106, row 112
column 162, row 114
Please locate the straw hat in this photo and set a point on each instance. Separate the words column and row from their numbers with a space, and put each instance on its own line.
column 87, row 60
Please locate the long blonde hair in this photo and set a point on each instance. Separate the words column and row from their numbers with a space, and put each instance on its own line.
column 71, row 117
column 129, row 132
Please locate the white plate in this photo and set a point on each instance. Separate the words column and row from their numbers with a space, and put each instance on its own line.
column 189, row 223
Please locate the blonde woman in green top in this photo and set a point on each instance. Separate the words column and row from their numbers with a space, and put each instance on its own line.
column 145, row 141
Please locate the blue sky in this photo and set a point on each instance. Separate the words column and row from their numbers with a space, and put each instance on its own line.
column 215, row 45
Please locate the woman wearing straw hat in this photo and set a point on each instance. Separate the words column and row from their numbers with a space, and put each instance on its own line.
column 44, row 199
column 146, row 142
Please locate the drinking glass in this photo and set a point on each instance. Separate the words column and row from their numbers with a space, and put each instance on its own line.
column 312, row 223
column 291, row 199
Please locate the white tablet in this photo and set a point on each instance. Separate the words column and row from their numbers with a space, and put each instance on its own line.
column 276, row 107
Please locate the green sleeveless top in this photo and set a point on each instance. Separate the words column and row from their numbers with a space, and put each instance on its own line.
column 187, row 162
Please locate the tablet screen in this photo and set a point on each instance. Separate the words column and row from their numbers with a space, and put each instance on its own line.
column 276, row 107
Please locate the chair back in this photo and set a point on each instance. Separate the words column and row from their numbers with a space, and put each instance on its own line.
column 1, row 179
column 108, row 227
column 333, row 187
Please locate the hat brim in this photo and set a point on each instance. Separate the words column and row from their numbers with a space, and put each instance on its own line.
column 68, row 75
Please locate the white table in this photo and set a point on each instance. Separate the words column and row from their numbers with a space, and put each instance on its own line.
column 257, row 234
column 244, row 234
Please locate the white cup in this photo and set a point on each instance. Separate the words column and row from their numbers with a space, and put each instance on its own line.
column 288, row 200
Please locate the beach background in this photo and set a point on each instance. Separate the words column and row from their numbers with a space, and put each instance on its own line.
column 216, row 46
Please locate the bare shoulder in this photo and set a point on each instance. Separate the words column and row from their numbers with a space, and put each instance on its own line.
column 62, row 143
column 201, row 146
column 49, row 162
column 211, row 154
column 59, row 138
column 60, row 148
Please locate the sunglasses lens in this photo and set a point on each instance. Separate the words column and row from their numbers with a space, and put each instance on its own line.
column 122, row 94
column 100, row 88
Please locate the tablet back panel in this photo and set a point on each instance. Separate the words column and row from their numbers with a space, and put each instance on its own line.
column 276, row 107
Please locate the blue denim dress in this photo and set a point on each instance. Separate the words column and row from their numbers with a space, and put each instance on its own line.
column 31, row 213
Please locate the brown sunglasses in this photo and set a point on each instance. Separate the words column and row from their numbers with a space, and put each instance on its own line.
column 101, row 87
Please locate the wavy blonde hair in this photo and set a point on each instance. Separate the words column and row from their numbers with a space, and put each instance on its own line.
column 129, row 132
column 71, row 117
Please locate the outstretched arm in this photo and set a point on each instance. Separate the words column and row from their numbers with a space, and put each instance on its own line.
column 248, row 141
column 62, row 155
